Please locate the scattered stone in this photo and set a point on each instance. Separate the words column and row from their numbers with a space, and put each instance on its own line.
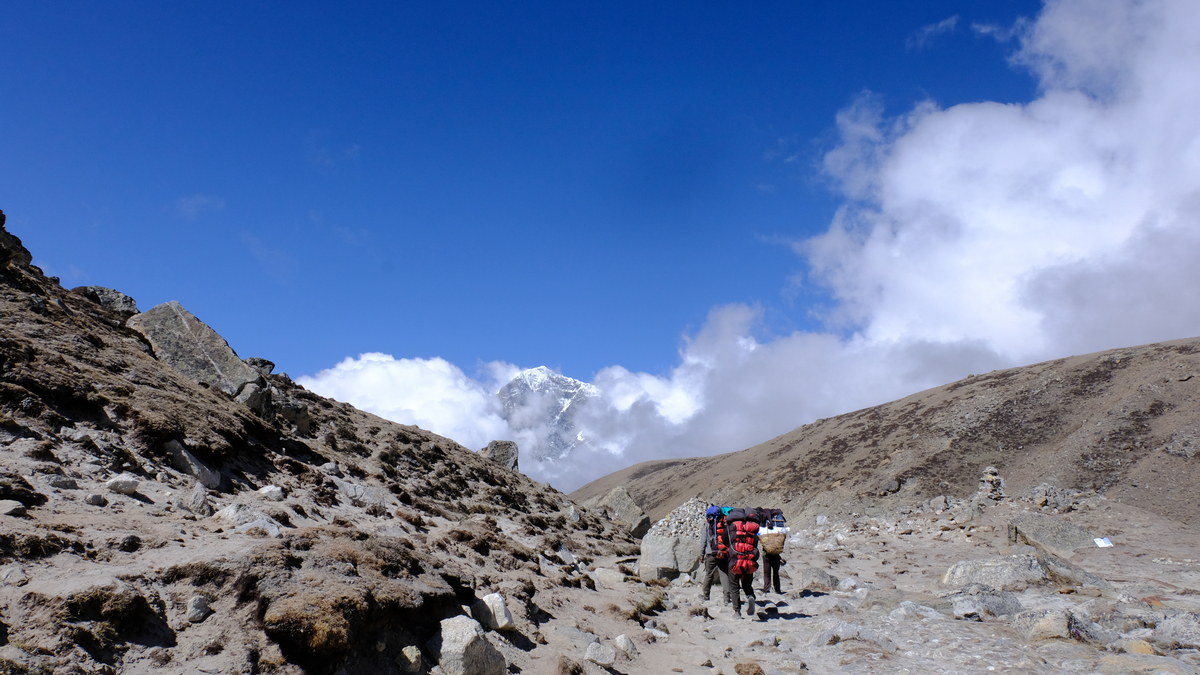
column 197, row 502
column 627, row 647
column 10, row 507
column 410, row 660
column 191, row 347
column 198, row 609
column 359, row 495
column 123, row 485
column 462, row 648
column 843, row 631
column 750, row 668
column 272, row 492
column 568, row 667
column 504, row 453
column 186, row 462
column 817, row 579
column 607, row 577
column 95, row 500
column 63, row 483
column 910, row 610
column 492, row 612
column 601, row 654
column 1043, row 624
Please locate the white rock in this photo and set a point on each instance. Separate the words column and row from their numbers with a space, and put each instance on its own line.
column 95, row 500
column 493, row 613
column 272, row 492
column 625, row 644
column 9, row 507
column 601, row 654
column 410, row 660
column 198, row 609
column 123, row 485
column 186, row 462
column 462, row 648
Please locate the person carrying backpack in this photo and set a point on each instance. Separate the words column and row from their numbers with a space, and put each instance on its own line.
column 772, row 536
column 741, row 526
column 716, row 552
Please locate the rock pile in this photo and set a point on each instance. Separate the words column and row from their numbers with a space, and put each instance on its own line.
column 685, row 521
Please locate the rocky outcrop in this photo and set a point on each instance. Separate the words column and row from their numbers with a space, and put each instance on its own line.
column 1012, row 573
column 109, row 299
column 622, row 509
column 504, row 453
column 189, row 346
column 11, row 249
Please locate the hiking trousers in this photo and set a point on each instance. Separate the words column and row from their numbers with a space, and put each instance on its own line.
column 771, row 562
column 744, row 583
column 714, row 568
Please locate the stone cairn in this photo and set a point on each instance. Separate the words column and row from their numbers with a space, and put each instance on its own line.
column 685, row 521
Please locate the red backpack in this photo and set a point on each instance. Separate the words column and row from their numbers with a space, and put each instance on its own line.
column 743, row 542
column 722, row 537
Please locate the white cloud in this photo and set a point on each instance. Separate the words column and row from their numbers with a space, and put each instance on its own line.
column 923, row 37
column 974, row 237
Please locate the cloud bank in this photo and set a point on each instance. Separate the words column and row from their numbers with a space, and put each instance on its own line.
column 979, row 236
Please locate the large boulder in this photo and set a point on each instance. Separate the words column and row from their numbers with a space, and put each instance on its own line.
column 668, row 557
column 462, row 648
column 109, row 299
column 503, row 453
column 1013, row 573
column 621, row 508
column 189, row 346
column 186, row 462
column 1049, row 533
column 1181, row 631
column 978, row 602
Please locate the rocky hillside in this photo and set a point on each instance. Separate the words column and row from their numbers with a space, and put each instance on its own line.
column 1124, row 423
column 168, row 507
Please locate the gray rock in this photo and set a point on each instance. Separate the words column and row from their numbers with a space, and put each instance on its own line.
column 623, row 509
column 492, row 612
column 267, row 525
column 123, row 485
column 504, row 453
column 109, row 299
column 13, row 575
column 601, row 654
column 1051, row 534
column 1181, row 631
column 198, row 609
column 1012, row 573
column 359, row 495
column 189, row 346
column 816, row 579
column 980, row 602
column 95, row 500
column 1043, row 624
column 297, row 414
column 910, row 610
column 186, row 462
column 410, row 660
column 272, row 492
column 263, row 366
column 255, row 398
column 626, row 645
column 667, row 557
column 197, row 502
column 62, row 483
column 843, row 632
column 9, row 507
column 462, row 648
column 1064, row 572
column 607, row 577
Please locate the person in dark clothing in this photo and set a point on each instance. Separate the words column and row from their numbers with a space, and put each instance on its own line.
column 772, row 539
column 716, row 558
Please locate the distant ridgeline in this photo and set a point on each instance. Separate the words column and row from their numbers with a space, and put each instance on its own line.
column 545, row 403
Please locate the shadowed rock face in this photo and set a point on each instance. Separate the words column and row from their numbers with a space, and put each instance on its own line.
column 188, row 345
column 11, row 248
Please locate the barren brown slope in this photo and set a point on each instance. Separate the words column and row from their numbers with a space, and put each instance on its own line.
column 1124, row 422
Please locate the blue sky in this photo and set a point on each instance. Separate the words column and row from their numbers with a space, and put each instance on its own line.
column 731, row 219
column 535, row 182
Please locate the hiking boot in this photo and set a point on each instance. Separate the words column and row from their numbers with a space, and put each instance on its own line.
column 750, row 606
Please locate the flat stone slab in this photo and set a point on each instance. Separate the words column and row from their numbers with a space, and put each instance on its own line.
column 1049, row 533
column 189, row 346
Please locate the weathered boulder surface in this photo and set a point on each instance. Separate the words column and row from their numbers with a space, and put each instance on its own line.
column 979, row 602
column 504, row 453
column 817, row 579
column 668, row 557
column 462, row 648
column 1181, row 631
column 11, row 248
column 189, row 346
column 109, row 299
column 186, row 462
column 1013, row 573
column 622, row 508
column 1047, row 533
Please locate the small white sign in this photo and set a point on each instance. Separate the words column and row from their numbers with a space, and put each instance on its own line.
column 1103, row 543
